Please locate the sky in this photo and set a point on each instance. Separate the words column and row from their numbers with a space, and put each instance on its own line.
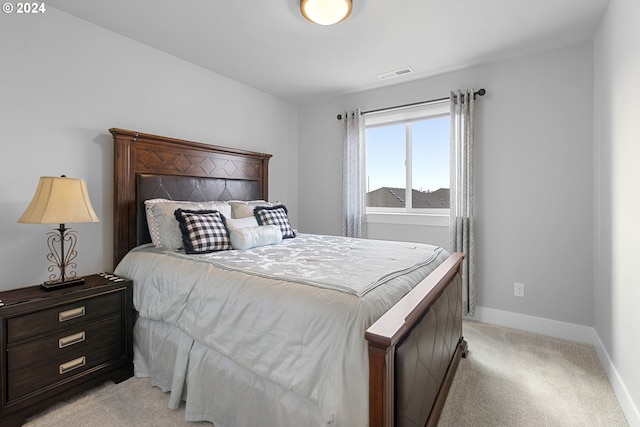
column 386, row 152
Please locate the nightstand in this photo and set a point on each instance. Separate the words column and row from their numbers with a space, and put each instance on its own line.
column 58, row 343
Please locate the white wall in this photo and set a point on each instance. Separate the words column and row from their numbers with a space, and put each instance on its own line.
column 616, row 201
column 534, row 176
column 65, row 82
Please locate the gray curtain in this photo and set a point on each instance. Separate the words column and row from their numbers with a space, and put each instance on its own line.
column 461, row 205
column 354, row 220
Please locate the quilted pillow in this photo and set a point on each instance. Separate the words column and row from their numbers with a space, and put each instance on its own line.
column 275, row 215
column 203, row 231
column 163, row 228
column 252, row 237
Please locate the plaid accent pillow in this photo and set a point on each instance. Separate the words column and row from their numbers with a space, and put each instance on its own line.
column 161, row 219
column 275, row 215
column 203, row 231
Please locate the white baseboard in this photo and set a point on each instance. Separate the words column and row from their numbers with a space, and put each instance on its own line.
column 630, row 409
column 537, row 325
column 569, row 332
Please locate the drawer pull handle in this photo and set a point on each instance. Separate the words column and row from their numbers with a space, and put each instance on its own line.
column 63, row 316
column 71, row 340
column 72, row 364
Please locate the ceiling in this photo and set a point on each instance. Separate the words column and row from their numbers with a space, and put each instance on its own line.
column 268, row 45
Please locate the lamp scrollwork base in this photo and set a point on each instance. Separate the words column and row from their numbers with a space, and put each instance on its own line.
column 61, row 259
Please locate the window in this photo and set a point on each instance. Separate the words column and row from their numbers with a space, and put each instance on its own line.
column 407, row 159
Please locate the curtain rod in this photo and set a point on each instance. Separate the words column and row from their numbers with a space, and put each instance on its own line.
column 479, row 92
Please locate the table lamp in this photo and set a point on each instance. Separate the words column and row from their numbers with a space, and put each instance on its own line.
column 60, row 200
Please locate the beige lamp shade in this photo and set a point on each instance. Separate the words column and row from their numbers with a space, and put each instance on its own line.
column 59, row 200
column 326, row 12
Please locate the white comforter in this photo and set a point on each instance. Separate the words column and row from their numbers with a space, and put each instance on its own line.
column 305, row 331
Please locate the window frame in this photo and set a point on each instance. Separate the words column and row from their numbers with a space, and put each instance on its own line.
column 407, row 116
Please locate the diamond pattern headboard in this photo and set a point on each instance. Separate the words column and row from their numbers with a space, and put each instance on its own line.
column 150, row 166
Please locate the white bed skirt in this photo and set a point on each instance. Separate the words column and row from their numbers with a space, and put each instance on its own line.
column 214, row 387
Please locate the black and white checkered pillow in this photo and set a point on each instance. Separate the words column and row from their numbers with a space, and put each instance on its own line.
column 275, row 215
column 203, row 231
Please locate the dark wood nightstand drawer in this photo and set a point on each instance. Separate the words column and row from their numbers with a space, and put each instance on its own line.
column 39, row 363
column 45, row 321
column 57, row 343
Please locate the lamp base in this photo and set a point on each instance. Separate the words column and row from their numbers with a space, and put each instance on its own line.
column 59, row 284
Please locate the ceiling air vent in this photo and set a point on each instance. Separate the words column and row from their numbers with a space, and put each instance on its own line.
column 396, row 73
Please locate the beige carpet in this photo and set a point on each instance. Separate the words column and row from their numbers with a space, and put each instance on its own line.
column 509, row 378
column 131, row 403
column 512, row 378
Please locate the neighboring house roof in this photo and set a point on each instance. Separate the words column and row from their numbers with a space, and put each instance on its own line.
column 393, row 197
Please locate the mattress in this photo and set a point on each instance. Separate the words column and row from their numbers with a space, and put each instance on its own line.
column 286, row 320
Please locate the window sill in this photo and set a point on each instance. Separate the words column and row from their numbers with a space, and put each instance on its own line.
column 404, row 218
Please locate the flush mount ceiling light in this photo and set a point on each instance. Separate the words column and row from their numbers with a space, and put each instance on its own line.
column 326, row 12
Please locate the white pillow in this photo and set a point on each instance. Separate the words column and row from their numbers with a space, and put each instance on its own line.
column 252, row 237
column 236, row 223
column 163, row 225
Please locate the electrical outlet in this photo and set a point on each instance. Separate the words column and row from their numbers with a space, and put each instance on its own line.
column 518, row 290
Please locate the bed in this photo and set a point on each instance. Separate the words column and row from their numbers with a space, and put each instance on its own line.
column 390, row 363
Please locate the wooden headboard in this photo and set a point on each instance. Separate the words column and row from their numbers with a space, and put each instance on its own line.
column 151, row 166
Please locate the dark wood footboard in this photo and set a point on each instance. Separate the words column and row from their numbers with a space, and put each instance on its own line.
column 414, row 350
